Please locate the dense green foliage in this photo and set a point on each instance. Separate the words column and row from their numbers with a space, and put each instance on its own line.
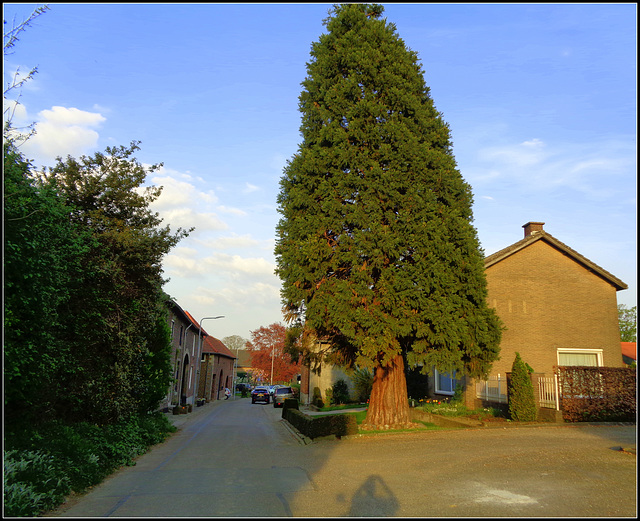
column 628, row 320
column 362, row 379
column 59, row 458
column 339, row 392
column 86, row 340
column 522, row 402
column 375, row 246
column 86, row 336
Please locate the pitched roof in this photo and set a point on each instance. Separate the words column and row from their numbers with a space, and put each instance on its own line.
column 629, row 350
column 244, row 358
column 562, row 248
column 211, row 344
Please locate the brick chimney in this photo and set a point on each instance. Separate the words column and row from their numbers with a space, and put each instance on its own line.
column 532, row 227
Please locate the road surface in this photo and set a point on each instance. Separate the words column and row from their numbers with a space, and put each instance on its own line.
column 235, row 459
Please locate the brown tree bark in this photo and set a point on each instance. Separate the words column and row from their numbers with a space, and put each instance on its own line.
column 389, row 402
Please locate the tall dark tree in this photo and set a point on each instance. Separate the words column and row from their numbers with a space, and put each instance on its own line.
column 375, row 246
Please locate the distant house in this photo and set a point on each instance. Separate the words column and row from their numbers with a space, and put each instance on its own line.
column 243, row 366
column 216, row 369
column 629, row 352
column 558, row 307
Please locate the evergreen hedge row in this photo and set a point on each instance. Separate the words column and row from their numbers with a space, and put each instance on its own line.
column 342, row 424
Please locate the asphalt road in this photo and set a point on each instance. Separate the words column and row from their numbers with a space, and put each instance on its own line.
column 235, row 459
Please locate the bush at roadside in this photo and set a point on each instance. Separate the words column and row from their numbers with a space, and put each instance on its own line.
column 43, row 466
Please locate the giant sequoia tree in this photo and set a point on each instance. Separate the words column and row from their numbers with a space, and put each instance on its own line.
column 375, row 246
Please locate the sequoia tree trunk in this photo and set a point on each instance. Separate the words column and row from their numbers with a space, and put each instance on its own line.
column 389, row 402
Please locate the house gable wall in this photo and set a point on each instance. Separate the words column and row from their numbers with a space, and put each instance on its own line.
column 547, row 300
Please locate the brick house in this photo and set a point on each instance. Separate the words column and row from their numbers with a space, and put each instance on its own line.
column 186, row 336
column 558, row 308
column 216, row 369
column 184, row 347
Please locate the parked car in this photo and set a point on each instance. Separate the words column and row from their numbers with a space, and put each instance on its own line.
column 243, row 387
column 260, row 394
column 281, row 394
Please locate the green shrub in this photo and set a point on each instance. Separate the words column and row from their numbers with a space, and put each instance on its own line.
column 340, row 392
column 362, row 379
column 289, row 403
column 522, row 403
column 77, row 456
column 317, row 398
column 33, row 483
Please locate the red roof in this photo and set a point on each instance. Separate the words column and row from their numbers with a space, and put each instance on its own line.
column 629, row 350
column 213, row 345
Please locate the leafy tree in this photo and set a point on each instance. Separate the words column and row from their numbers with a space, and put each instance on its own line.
column 85, row 321
column 118, row 310
column 267, row 350
column 375, row 246
column 628, row 318
column 42, row 252
column 234, row 342
column 522, row 403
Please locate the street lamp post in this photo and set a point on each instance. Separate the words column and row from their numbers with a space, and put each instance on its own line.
column 272, row 353
column 197, row 382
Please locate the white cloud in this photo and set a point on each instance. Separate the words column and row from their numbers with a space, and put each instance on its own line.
column 232, row 211
column 249, row 188
column 187, row 218
column 539, row 166
column 62, row 116
column 63, row 131
column 233, row 242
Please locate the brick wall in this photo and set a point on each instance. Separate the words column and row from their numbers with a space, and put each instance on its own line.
column 547, row 301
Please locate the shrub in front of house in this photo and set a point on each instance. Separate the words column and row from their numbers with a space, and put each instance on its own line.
column 317, row 398
column 340, row 392
column 522, row 402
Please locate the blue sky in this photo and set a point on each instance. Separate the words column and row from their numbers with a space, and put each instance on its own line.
column 541, row 101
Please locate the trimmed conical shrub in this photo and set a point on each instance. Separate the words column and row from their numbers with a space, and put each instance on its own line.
column 522, row 402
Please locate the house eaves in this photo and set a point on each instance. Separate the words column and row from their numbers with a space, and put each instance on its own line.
column 562, row 248
column 211, row 344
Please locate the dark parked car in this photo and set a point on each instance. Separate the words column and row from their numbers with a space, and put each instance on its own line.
column 281, row 394
column 243, row 387
column 260, row 394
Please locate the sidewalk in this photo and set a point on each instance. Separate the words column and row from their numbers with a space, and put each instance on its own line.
column 179, row 420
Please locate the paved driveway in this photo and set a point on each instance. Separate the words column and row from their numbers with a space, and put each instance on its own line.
column 235, row 459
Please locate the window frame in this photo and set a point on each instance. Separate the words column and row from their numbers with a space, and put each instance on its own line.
column 579, row 350
column 454, row 381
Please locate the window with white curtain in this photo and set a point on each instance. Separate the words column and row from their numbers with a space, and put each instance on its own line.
column 584, row 357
